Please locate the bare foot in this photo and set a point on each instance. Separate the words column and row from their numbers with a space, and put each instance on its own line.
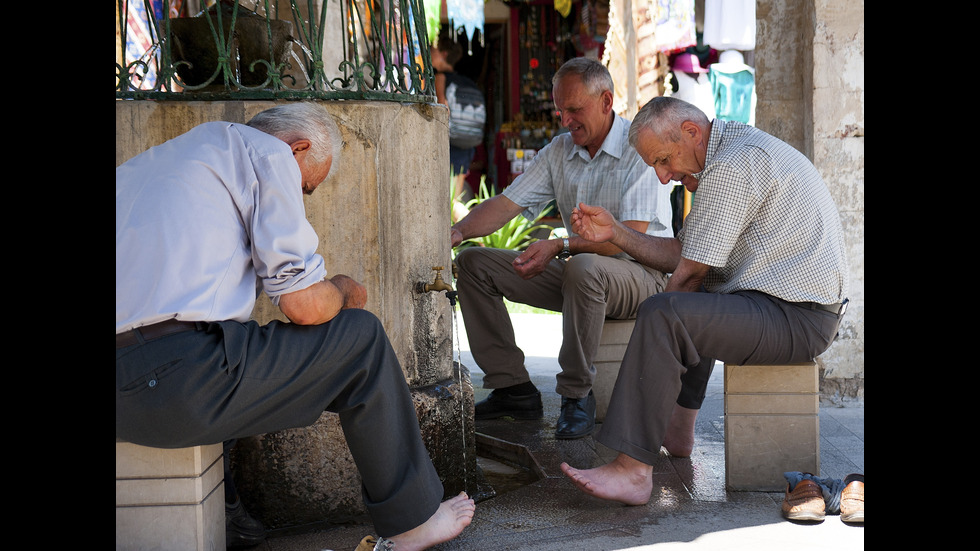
column 446, row 523
column 679, row 440
column 624, row 479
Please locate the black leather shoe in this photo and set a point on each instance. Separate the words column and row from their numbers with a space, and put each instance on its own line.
column 501, row 404
column 241, row 530
column 577, row 417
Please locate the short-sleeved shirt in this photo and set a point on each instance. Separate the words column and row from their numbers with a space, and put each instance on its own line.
column 764, row 220
column 616, row 179
column 207, row 220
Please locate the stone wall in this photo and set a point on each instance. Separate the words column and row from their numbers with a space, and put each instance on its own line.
column 809, row 61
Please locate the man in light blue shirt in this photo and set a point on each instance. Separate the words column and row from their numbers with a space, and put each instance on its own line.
column 205, row 221
column 586, row 282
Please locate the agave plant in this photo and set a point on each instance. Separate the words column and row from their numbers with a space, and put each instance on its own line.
column 514, row 235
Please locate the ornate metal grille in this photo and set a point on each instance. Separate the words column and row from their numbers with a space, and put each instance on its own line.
column 317, row 49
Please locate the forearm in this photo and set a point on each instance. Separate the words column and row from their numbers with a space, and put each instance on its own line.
column 660, row 253
column 318, row 303
column 687, row 277
column 486, row 218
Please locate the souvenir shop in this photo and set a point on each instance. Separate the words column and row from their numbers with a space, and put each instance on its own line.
column 699, row 50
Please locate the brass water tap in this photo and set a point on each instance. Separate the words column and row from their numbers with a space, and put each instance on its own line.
column 437, row 284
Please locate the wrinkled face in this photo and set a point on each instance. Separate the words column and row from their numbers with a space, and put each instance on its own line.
column 585, row 115
column 672, row 160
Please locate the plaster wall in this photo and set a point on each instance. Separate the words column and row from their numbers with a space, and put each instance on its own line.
column 809, row 61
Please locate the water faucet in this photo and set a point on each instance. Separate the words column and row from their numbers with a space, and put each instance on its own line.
column 437, row 285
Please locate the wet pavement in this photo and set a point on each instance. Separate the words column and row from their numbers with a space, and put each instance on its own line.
column 690, row 509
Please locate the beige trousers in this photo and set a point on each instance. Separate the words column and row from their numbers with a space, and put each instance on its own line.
column 586, row 289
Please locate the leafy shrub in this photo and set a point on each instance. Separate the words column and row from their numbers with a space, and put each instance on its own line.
column 514, row 235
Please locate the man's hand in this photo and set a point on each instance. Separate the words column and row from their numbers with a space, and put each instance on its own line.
column 355, row 294
column 593, row 223
column 536, row 257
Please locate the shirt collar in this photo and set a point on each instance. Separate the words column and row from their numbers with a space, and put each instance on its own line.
column 614, row 144
column 714, row 140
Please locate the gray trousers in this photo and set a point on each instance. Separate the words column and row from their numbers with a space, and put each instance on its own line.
column 235, row 380
column 586, row 289
column 674, row 331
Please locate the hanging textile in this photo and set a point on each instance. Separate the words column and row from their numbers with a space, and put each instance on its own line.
column 468, row 16
column 729, row 24
column 733, row 88
column 432, row 9
column 620, row 59
column 563, row 7
column 674, row 21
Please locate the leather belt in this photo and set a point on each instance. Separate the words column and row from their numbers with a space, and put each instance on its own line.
column 156, row 330
column 836, row 309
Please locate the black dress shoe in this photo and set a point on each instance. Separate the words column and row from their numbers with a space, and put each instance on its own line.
column 241, row 530
column 501, row 404
column 577, row 417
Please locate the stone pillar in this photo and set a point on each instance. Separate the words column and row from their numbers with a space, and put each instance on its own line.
column 382, row 218
column 809, row 61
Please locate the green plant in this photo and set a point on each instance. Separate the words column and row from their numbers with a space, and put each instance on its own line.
column 514, row 235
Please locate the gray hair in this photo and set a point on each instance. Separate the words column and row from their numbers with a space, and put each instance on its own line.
column 594, row 75
column 663, row 115
column 303, row 120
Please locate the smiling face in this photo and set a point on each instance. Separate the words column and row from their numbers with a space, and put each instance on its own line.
column 675, row 161
column 587, row 116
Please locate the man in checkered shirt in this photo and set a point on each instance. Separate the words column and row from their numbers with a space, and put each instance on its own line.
column 758, row 275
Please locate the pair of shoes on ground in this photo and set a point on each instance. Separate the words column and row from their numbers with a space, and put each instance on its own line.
column 577, row 418
column 805, row 502
column 241, row 530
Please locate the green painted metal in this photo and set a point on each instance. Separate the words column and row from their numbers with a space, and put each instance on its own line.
column 246, row 51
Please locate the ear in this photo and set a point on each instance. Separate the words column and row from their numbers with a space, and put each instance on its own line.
column 607, row 101
column 691, row 129
column 300, row 146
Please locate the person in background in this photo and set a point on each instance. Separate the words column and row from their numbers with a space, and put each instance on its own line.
column 587, row 282
column 453, row 90
column 203, row 222
column 763, row 239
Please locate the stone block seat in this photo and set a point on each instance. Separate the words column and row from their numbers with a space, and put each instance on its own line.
column 612, row 346
column 169, row 499
column 772, row 424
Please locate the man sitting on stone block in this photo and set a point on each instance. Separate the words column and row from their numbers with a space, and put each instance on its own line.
column 204, row 222
column 763, row 238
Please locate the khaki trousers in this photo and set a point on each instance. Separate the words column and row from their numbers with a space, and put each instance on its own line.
column 586, row 289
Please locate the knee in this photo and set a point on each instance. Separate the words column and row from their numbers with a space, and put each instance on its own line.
column 465, row 258
column 584, row 274
column 656, row 306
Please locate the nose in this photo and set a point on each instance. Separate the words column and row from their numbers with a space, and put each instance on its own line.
column 664, row 175
column 565, row 119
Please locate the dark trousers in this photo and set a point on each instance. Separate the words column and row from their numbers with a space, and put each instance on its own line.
column 234, row 380
column 674, row 335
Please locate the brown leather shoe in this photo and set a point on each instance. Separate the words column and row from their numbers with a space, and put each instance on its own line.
column 805, row 502
column 852, row 499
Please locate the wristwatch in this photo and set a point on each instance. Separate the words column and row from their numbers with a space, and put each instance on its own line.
column 565, row 253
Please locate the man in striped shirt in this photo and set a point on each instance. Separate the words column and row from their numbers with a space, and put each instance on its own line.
column 758, row 275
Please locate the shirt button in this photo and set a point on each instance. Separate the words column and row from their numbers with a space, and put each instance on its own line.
column 152, row 383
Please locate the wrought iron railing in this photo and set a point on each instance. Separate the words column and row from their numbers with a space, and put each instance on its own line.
column 323, row 49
